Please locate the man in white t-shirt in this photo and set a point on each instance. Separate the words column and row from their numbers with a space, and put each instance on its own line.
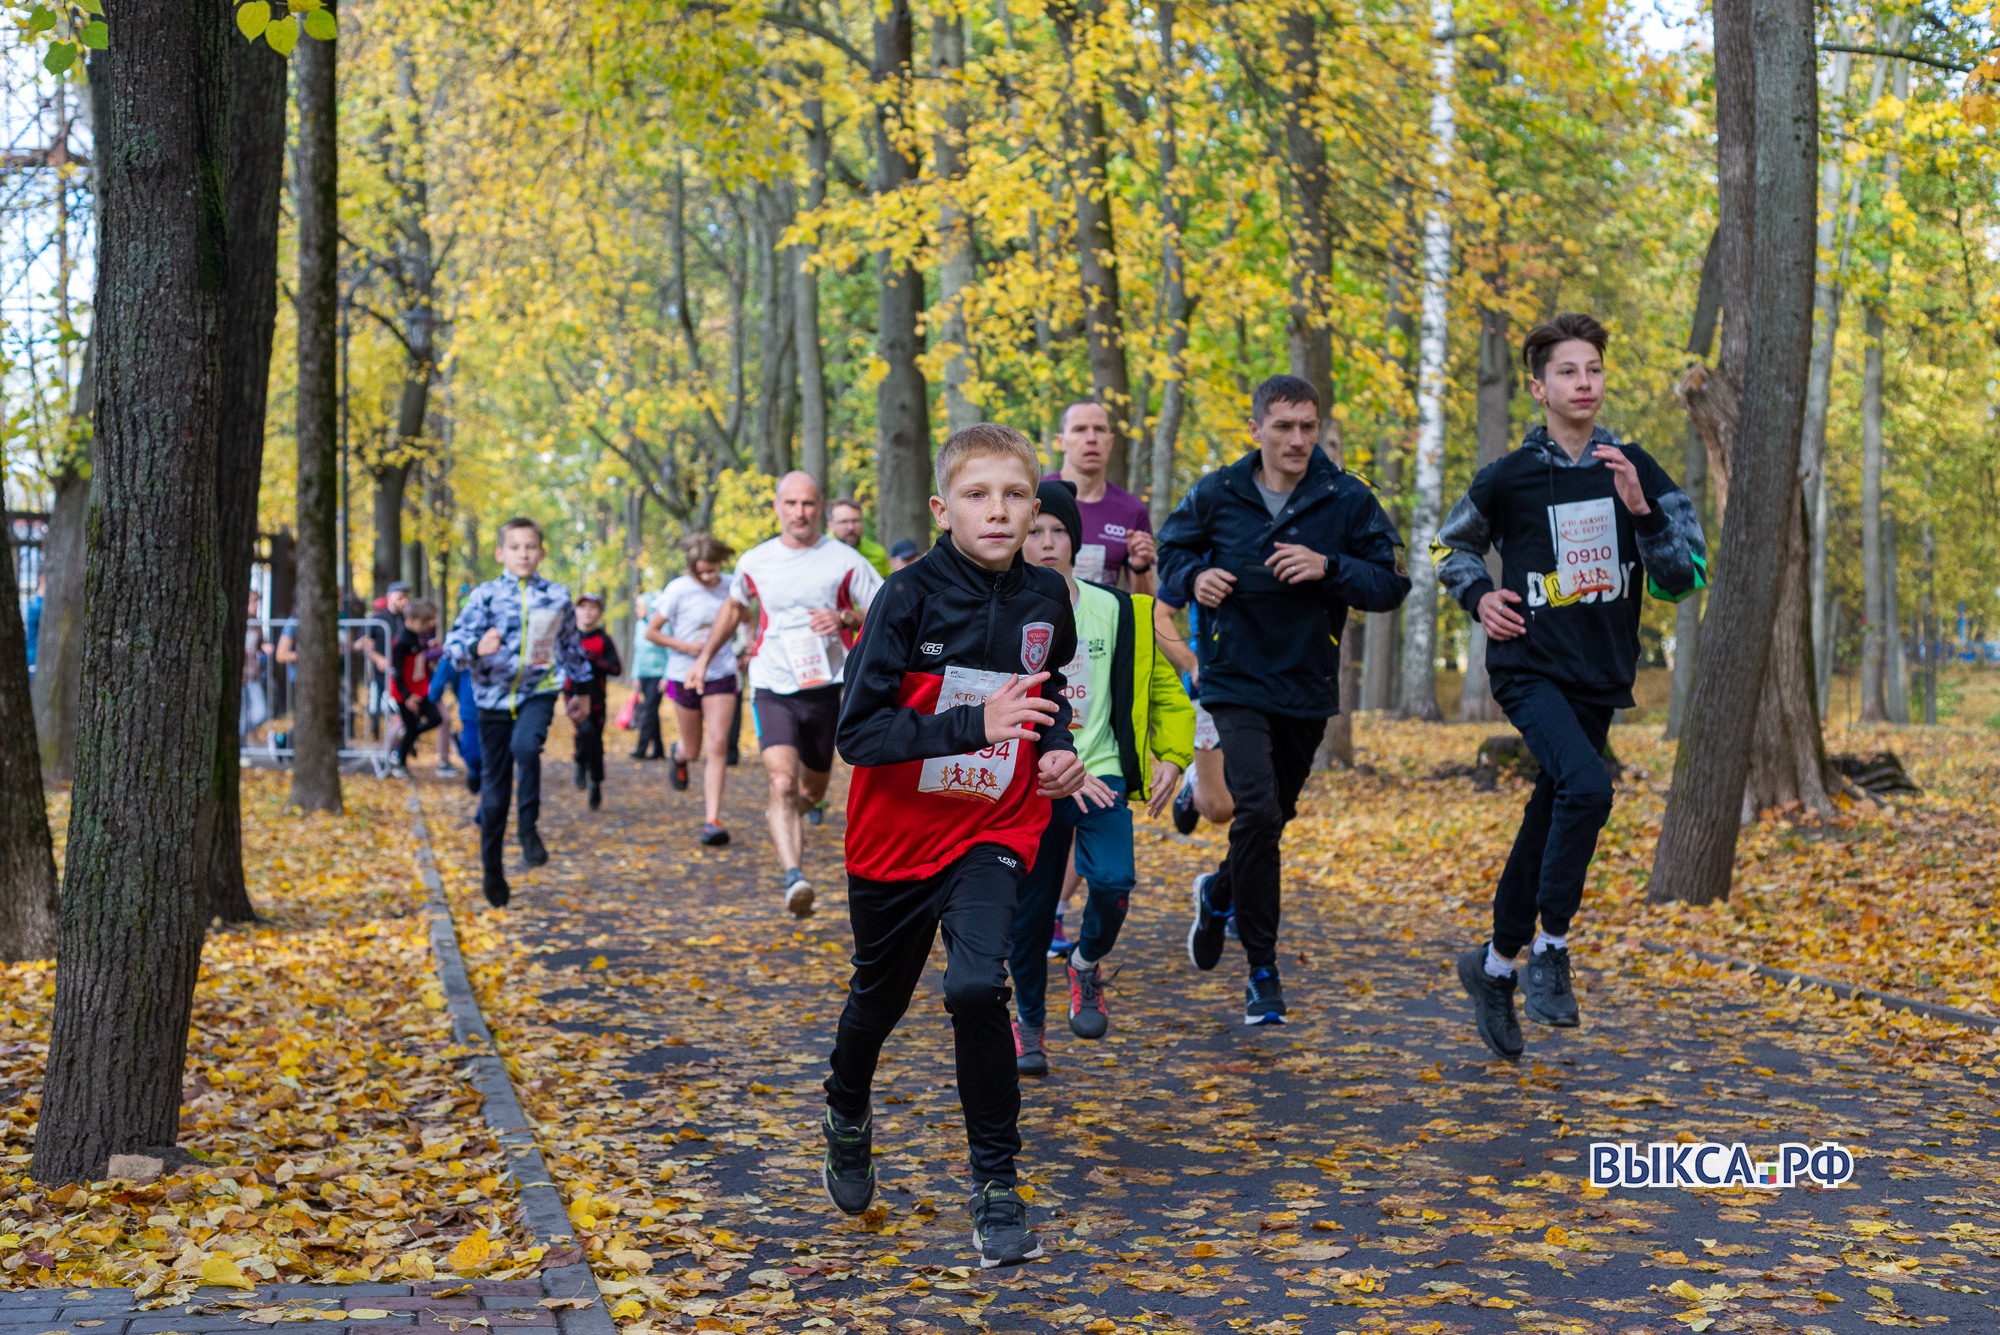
column 811, row 592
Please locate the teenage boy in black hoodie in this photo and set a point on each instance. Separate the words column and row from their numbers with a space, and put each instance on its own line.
column 1569, row 511
column 959, row 735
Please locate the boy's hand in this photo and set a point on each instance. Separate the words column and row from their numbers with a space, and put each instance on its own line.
column 1012, row 714
column 1625, row 477
column 1062, row 775
column 1501, row 621
column 1140, row 552
column 1166, row 783
column 824, row 622
column 577, row 708
column 489, row 643
column 1095, row 792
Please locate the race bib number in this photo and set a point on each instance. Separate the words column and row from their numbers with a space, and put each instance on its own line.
column 978, row 776
column 1206, row 738
column 1076, row 690
column 1090, row 562
column 538, row 639
column 807, row 654
column 1586, row 536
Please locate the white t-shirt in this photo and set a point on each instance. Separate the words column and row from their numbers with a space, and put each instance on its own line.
column 788, row 584
column 690, row 610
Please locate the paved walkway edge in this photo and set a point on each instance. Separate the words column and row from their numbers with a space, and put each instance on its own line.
column 1844, row 991
column 541, row 1200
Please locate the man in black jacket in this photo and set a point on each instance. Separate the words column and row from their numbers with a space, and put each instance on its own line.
column 1276, row 548
column 1577, row 517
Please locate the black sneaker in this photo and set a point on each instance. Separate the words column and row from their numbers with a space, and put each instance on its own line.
column 713, row 836
column 1030, row 1058
column 1264, row 998
column 580, row 776
column 533, row 852
column 495, row 886
column 1185, row 816
column 1087, row 1015
column 1548, row 996
column 596, row 794
column 1000, row 1227
column 816, row 814
column 1204, row 942
column 678, row 776
column 1492, row 1004
column 849, row 1170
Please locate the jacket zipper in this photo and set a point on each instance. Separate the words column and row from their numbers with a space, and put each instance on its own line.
column 521, row 665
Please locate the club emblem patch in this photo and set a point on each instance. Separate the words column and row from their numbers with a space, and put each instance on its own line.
column 1036, row 637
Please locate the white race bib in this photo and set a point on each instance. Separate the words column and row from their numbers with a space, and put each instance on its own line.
column 1586, row 537
column 1076, row 690
column 980, row 776
column 1090, row 562
column 807, row 655
column 538, row 640
column 1206, row 738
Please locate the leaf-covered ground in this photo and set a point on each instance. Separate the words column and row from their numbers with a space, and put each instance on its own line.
column 1364, row 1169
column 340, row 1145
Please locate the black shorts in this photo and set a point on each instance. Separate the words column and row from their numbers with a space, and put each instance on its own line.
column 805, row 720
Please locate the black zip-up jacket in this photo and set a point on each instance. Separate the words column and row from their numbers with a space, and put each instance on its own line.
column 1537, row 505
column 948, row 611
column 1270, row 645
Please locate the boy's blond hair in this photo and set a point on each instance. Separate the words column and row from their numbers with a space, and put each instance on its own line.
column 978, row 441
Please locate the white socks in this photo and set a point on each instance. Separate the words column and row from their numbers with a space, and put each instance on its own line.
column 1543, row 941
column 1081, row 964
column 1498, row 965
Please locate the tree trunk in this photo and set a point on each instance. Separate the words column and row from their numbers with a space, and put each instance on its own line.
column 59, row 647
column 28, row 903
column 316, row 715
column 131, row 926
column 1173, row 275
column 776, row 409
column 1096, row 246
column 1771, row 49
column 1788, row 761
column 256, row 177
column 958, row 257
column 1897, row 670
column 1496, row 431
column 1379, row 675
column 902, row 400
column 1874, row 686
column 1927, row 632
column 391, row 480
column 812, row 363
column 1311, row 252
column 1427, row 509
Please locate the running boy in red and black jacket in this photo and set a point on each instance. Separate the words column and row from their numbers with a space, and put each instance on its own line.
column 602, row 651
column 958, row 732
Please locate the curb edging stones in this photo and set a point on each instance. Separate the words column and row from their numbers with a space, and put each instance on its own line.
column 542, row 1205
column 1844, row 991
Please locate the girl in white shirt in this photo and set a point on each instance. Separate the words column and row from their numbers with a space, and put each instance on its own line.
column 682, row 614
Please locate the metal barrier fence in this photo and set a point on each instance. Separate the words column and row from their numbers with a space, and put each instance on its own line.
column 368, row 716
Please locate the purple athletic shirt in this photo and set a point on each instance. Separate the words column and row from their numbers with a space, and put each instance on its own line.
column 1105, row 524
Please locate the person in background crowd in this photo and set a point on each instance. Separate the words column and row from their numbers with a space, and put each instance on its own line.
column 811, row 592
column 602, row 651
column 682, row 615
column 649, row 671
column 844, row 521
column 1117, row 531
column 34, row 622
column 902, row 554
column 459, row 679
column 411, row 659
column 254, row 707
column 517, row 633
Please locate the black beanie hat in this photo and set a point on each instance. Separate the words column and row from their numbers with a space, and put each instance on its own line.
column 1058, row 498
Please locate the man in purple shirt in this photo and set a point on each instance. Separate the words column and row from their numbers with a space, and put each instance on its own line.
column 1117, row 531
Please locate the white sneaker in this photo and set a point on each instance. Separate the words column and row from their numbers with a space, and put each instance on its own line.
column 798, row 893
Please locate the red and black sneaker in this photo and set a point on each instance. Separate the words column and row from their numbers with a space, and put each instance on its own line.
column 679, row 777
column 1029, row 1056
column 1087, row 1016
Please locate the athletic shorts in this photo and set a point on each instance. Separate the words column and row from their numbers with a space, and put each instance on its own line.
column 678, row 692
column 806, row 720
